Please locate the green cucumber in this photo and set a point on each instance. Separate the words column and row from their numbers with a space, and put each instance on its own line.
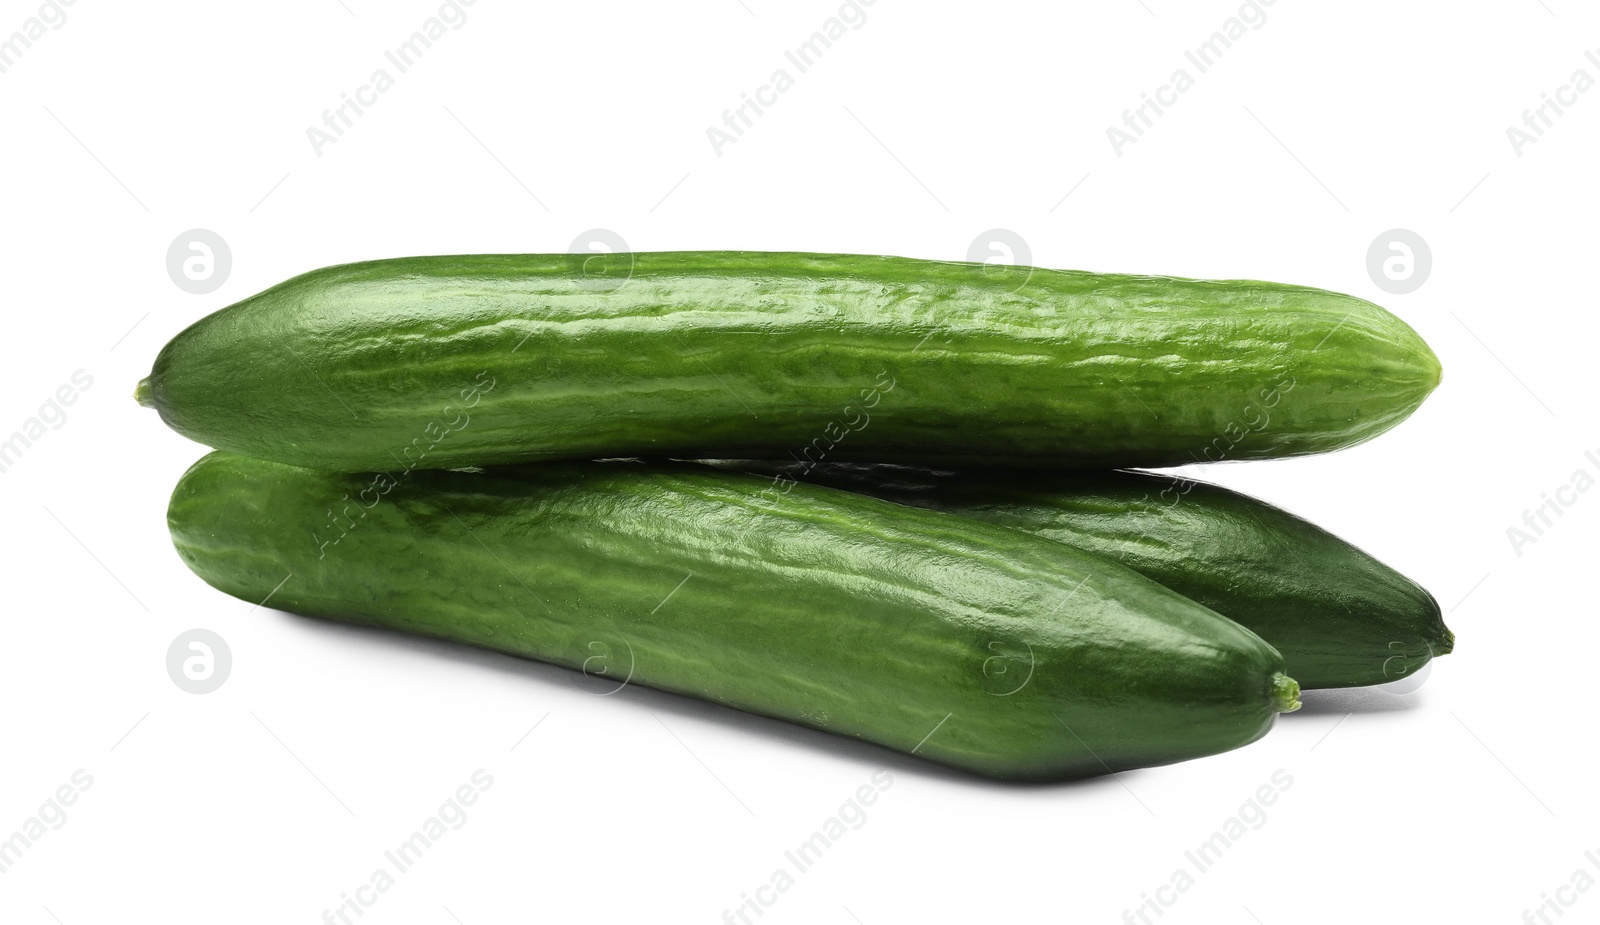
column 441, row 362
column 962, row 642
column 1340, row 617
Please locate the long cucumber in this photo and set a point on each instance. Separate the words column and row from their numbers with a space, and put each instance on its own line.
column 962, row 642
column 1340, row 617
column 439, row 362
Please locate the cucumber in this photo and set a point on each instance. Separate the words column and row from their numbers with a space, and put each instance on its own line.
column 1340, row 617
column 961, row 642
column 441, row 362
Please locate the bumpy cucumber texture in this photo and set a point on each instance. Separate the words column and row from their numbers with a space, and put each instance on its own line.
column 962, row 642
column 1340, row 617
column 439, row 362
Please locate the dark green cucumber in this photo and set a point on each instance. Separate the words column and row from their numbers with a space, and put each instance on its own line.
column 962, row 642
column 1340, row 617
column 441, row 362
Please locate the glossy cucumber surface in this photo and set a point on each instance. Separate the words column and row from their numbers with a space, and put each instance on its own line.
column 441, row 362
column 1340, row 617
column 962, row 642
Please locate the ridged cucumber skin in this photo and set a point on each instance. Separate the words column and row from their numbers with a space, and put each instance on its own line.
column 1340, row 617
column 961, row 642
column 746, row 354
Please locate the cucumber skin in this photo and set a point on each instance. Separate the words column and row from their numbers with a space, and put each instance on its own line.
column 746, row 354
column 827, row 609
column 1340, row 617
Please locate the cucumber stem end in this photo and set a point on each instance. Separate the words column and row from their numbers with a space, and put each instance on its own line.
column 1285, row 693
column 144, row 393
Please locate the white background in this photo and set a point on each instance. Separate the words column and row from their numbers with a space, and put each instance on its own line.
column 1329, row 124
